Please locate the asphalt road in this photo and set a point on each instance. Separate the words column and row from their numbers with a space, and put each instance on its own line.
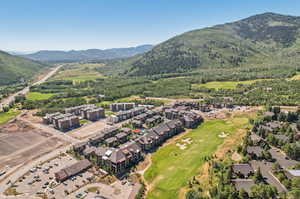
column 24, row 91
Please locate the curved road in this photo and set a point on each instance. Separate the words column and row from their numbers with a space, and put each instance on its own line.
column 24, row 91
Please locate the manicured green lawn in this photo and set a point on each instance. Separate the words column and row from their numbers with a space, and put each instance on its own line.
column 224, row 85
column 39, row 96
column 4, row 117
column 172, row 168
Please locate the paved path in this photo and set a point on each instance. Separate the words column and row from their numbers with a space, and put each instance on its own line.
column 24, row 91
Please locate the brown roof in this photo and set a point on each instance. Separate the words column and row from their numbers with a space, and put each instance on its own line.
column 89, row 150
column 111, row 140
column 268, row 114
column 255, row 150
column 73, row 169
column 61, row 175
column 121, row 135
column 245, row 184
column 117, row 156
column 79, row 145
column 244, row 169
column 126, row 130
column 100, row 151
column 255, row 137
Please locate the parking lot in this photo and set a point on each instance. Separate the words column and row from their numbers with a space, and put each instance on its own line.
column 41, row 179
column 117, row 190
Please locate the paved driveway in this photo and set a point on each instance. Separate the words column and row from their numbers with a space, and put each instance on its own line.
column 266, row 171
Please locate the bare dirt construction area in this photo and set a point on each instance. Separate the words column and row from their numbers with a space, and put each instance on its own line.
column 88, row 129
column 19, row 142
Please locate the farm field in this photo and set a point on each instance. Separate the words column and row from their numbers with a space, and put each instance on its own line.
column 6, row 116
column 38, row 96
column 80, row 72
column 223, row 85
column 172, row 167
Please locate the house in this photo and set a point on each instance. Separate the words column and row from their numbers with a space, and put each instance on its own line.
column 122, row 137
column 290, row 174
column 117, row 160
column 191, row 120
column 126, row 130
column 268, row 115
column 297, row 136
column 255, row 139
column 266, row 128
column 89, row 152
column 133, row 149
column 100, row 153
column 110, row 132
column 136, row 124
column 111, row 142
column 72, row 170
column 282, row 138
column 162, row 131
column 274, row 125
column 149, row 140
column 242, row 170
column 254, row 151
column 97, row 139
column 142, row 117
column 245, row 184
column 79, row 147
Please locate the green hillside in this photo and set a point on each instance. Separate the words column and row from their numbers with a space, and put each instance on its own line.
column 14, row 69
column 261, row 42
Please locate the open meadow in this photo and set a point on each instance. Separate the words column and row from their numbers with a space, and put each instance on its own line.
column 38, row 96
column 174, row 165
column 223, row 85
column 6, row 116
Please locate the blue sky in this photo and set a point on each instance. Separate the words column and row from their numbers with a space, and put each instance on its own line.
column 29, row 25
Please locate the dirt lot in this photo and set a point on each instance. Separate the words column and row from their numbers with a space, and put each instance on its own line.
column 12, row 142
column 19, row 142
column 89, row 129
column 29, row 153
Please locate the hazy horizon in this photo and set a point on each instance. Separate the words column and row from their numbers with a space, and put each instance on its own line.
column 33, row 25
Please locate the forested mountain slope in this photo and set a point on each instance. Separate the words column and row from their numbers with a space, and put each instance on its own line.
column 14, row 69
column 86, row 55
column 260, row 42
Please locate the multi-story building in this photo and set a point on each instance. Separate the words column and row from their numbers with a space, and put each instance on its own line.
column 115, row 107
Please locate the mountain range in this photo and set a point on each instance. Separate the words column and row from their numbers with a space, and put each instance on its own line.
column 260, row 41
column 14, row 69
column 87, row 55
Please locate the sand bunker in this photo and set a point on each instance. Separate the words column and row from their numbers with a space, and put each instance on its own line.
column 187, row 140
column 181, row 146
column 222, row 135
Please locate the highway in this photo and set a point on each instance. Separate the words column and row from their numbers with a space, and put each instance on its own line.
column 24, row 91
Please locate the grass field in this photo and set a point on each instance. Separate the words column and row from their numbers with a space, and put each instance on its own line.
column 38, row 96
column 80, row 72
column 223, row 85
column 4, row 117
column 172, row 168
